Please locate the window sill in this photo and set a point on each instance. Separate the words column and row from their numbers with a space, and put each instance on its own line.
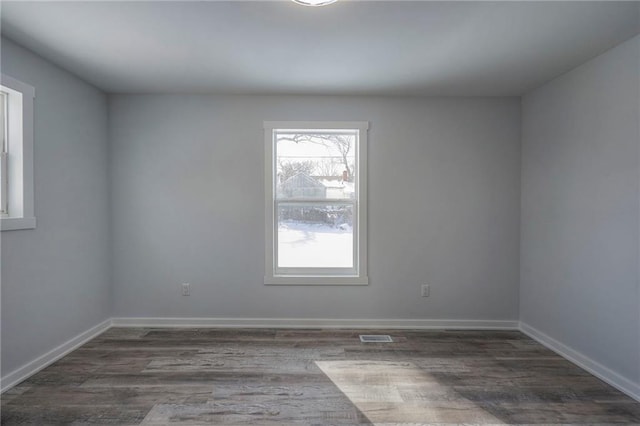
column 17, row 223
column 334, row 280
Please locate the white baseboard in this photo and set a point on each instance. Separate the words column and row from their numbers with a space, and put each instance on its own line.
column 422, row 324
column 52, row 356
column 611, row 377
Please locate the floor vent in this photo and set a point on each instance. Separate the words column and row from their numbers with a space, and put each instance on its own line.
column 375, row 338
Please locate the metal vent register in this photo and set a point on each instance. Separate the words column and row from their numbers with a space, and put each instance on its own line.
column 375, row 338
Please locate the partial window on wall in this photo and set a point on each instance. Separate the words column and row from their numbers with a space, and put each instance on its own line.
column 16, row 155
column 316, row 225
column 4, row 211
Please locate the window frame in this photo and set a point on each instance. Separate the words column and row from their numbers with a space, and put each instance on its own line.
column 19, row 157
column 316, row 276
column 4, row 185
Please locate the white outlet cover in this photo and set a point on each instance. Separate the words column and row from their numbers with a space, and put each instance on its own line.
column 425, row 290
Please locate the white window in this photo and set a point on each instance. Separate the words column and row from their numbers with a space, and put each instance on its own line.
column 16, row 155
column 4, row 210
column 316, row 203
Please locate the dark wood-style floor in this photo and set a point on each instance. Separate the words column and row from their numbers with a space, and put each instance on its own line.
column 313, row 377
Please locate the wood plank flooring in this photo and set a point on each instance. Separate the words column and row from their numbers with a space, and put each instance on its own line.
column 313, row 377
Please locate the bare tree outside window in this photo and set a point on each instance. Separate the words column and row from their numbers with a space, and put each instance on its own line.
column 287, row 170
column 340, row 143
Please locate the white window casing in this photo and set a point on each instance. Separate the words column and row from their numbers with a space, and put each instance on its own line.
column 355, row 273
column 4, row 211
column 16, row 157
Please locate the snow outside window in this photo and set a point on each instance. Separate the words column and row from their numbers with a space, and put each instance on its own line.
column 315, row 203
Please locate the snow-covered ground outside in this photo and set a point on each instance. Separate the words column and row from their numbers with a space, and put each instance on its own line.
column 315, row 245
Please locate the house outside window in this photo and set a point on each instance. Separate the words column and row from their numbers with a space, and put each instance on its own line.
column 315, row 197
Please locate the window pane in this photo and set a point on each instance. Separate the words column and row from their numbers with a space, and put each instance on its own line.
column 318, row 165
column 315, row 236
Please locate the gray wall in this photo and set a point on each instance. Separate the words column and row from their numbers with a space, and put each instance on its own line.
column 56, row 278
column 185, row 203
column 580, row 209
column 188, row 205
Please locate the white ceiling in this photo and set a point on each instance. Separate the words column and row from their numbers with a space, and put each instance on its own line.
column 350, row 47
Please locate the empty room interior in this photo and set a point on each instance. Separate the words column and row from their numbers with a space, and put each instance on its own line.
column 333, row 213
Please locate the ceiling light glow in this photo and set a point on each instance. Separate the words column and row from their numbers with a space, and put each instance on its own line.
column 314, row 3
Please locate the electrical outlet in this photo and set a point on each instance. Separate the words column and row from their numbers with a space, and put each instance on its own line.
column 186, row 289
column 425, row 290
